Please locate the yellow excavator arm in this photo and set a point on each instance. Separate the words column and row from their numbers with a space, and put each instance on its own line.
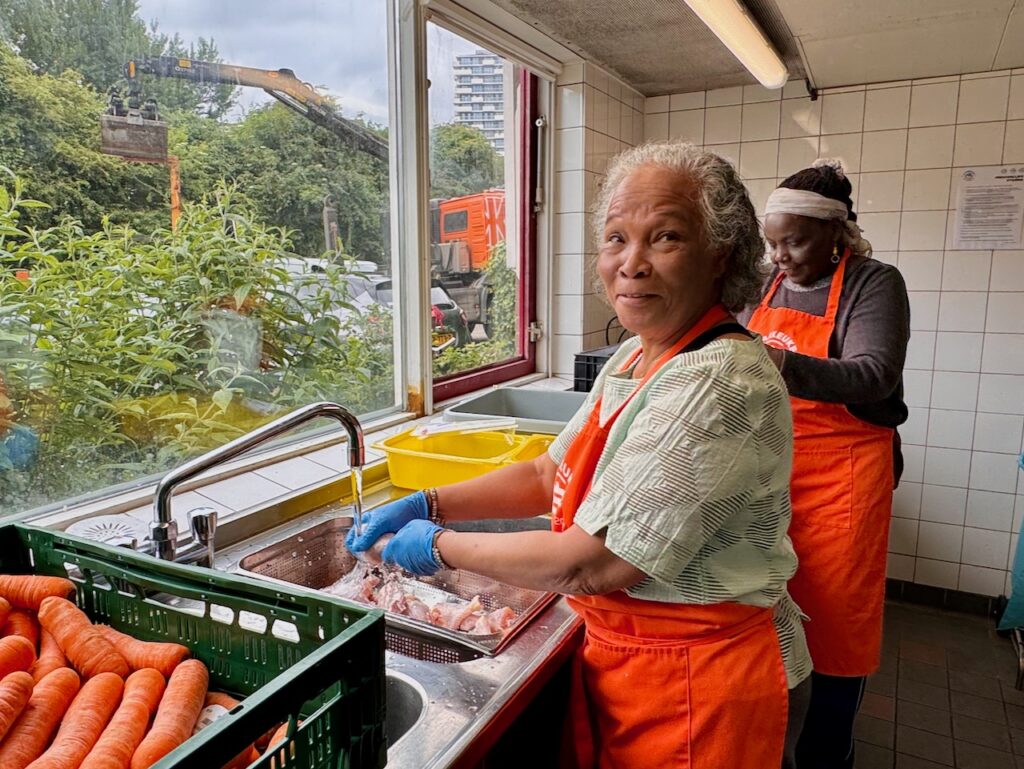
column 282, row 84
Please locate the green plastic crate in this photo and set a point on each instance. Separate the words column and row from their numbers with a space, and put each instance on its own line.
column 320, row 660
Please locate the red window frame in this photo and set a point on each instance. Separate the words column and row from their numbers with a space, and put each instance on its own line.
column 524, row 363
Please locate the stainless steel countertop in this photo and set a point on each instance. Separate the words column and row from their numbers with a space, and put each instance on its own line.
column 462, row 700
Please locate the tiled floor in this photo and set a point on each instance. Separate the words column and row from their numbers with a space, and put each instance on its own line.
column 944, row 696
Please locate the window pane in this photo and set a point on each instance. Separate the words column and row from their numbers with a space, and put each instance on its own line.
column 127, row 344
column 475, row 261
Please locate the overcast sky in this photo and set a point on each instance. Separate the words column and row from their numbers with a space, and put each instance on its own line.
column 339, row 46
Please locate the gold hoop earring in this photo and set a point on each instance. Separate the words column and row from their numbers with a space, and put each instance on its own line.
column 835, row 253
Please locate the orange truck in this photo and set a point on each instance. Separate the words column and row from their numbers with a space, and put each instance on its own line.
column 463, row 231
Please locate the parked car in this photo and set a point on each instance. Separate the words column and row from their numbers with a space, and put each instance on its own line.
column 447, row 318
column 449, row 324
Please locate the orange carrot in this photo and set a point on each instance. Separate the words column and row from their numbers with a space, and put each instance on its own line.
column 84, row 646
column 228, row 702
column 247, row 757
column 264, row 739
column 16, row 653
column 5, row 610
column 15, row 689
column 280, row 735
column 177, row 714
column 142, row 693
column 83, row 723
column 145, row 654
column 27, row 591
column 50, row 657
column 31, row 733
column 22, row 622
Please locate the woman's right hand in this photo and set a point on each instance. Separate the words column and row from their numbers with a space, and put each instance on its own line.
column 387, row 519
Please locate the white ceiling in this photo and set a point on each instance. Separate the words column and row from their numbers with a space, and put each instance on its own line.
column 868, row 41
column 660, row 47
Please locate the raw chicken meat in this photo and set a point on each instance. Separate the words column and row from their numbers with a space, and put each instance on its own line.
column 388, row 591
column 416, row 609
column 493, row 622
column 392, row 597
column 367, row 586
column 357, row 585
column 453, row 615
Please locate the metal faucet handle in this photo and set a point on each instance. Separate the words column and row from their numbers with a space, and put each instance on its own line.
column 203, row 523
column 164, row 536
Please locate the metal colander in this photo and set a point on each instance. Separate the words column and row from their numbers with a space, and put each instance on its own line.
column 317, row 558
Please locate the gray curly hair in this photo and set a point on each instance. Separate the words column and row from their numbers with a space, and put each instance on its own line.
column 729, row 221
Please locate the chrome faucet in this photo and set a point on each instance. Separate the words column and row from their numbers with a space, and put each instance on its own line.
column 203, row 521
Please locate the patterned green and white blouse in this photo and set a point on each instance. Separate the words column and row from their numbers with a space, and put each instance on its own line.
column 692, row 487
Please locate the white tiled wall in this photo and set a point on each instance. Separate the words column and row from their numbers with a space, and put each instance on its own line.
column 961, row 503
column 597, row 117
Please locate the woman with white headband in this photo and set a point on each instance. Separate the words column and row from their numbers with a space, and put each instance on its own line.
column 836, row 323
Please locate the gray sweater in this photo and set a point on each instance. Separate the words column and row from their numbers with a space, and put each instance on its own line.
column 864, row 368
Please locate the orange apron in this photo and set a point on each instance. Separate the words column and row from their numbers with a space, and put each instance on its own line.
column 842, row 500
column 663, row 684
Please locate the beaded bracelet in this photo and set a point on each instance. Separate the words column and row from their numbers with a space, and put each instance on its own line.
column 435, row 551
column 433, row 514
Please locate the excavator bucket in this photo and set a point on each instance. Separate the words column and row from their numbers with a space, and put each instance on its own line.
column 134, row 138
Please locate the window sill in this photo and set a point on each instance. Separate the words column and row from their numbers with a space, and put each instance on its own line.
column 238, row 487
column 271, row 477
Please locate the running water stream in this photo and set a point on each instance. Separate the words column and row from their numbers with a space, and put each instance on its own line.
column 373, row 556
column 357, row 500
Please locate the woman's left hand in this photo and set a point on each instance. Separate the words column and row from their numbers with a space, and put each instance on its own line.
column 387, row 519
column 412, row 548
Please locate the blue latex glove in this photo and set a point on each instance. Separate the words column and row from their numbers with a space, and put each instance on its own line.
column 388, row 519
column 412, row 548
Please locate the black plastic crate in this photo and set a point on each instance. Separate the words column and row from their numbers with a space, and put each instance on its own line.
column 588, row 365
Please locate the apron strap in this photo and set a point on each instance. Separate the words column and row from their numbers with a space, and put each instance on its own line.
column 705, row 333
column 835, row 289
column 770, row 293
column 712, row 334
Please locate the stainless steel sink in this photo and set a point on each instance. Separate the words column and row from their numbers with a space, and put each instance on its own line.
column 406, row 704
column 315, row 557
column 436, row 711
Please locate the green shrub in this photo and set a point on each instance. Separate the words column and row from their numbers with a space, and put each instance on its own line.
column 127, row 354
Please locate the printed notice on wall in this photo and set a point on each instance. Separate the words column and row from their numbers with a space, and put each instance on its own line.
column 990, row 208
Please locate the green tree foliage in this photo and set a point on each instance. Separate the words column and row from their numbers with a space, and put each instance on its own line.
column 462, row 161
column 288, row 167
column 96, row 37
column 49, row 134
column 91, row 37
column 126, row 355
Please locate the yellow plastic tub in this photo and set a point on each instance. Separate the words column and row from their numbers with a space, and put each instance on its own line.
column 437, row 460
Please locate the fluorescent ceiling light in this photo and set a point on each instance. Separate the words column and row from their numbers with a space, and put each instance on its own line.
column 738, row 31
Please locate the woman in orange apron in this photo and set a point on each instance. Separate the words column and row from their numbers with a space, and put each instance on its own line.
column 837, row 326
column 668, row 493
